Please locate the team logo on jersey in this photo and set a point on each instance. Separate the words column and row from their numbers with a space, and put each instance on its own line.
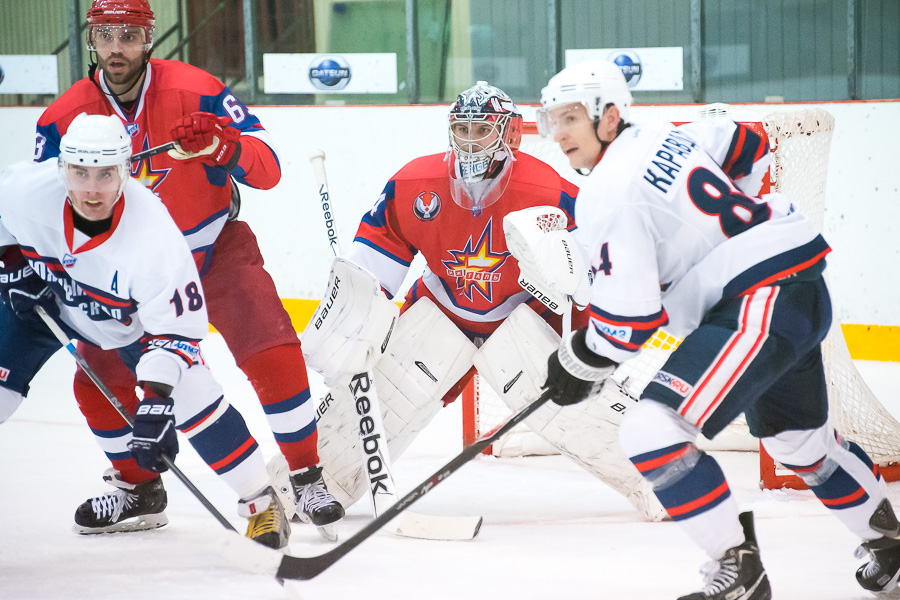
column 477, row 266
column 68, row 260
column 133, row 129
column 329, row 73
column 676, row 384
column 630, row 65
column 144, row 172
column 427, row 206
column 4, row 374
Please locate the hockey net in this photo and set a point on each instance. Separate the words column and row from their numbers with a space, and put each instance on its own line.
column 800, row 143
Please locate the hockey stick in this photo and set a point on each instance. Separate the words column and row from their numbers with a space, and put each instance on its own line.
column 153, row 151
column 375, row 455
column 264, row 561
column 70, row 346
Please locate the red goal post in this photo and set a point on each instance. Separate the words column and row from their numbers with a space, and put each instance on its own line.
column 800, row 142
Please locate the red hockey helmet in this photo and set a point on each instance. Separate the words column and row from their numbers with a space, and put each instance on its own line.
column 122, row 14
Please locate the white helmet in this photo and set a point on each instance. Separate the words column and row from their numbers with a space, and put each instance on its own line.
column 96, row 141
column 593, row 83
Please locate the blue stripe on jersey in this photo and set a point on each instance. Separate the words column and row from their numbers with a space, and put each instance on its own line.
column 111, row 433
column 200, row 416
column 567, row 203
column 288, row 404
column 216, row 176
column 118, row 455
column 779, row 264
column 377, row 216
column 840, row 491
column 226, row 445
column 50, row 147
column 295, row 436
column 742, row 164
column 216, row 105
column 698, row 491
column 382, row 251
column 205, row 222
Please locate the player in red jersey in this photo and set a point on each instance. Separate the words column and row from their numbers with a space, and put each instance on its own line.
column 220, row 143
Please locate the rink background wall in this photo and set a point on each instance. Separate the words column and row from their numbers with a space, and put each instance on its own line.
column 365, row 145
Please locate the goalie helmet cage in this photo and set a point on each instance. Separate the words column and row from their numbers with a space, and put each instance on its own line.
column 800, row 143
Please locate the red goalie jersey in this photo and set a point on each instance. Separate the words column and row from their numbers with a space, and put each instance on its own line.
column 470, row 273
column 197, row 195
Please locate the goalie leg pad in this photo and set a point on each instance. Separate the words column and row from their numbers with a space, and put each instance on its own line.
column 352, row 325
column 427, row 356
column 513, row 361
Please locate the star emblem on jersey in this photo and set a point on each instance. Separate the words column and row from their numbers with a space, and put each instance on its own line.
column 146, row 175
column 427, row 206
column 475, row 267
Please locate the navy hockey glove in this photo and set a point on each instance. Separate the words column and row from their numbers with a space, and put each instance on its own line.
column 574, row 372
column 21, row 289
column 154, row 432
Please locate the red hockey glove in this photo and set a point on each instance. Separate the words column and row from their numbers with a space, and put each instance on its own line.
column 208, row 136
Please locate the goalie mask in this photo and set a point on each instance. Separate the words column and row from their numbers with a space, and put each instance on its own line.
column 95, row 158
column 595, row 84
column 485, row 129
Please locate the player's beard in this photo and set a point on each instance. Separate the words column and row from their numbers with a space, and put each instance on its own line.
column 122, row 79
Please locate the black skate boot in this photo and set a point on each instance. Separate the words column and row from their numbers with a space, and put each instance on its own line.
column 268, row 524
column 130, row 507
column 739, row 575
column 315, row 504
column 881, row 573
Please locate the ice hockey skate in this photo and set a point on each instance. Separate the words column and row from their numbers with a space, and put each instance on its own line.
column 315, row 504
column 268, row 524
column 739, row 574
column 130, row 507
column 881, row 573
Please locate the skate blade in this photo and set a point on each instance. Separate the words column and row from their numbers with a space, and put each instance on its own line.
column 141, row 523
column 329, row 533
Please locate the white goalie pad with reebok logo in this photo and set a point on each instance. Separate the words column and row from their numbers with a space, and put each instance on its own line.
column 513, row 361
column 352, row 325
column 427, row 356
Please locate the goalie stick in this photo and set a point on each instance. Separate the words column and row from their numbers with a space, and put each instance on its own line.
column 381, row 482
column 286, row 566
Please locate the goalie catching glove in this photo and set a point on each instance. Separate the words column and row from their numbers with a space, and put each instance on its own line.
column 352, row 325
column 551, row 265
column 574, row 372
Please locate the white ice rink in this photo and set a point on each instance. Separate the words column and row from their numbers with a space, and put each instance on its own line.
column 550, row 530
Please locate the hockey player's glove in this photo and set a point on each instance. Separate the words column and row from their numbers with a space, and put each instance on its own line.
column 204, row 135
column 21, row 289
column 574, row 372
column 154, row 432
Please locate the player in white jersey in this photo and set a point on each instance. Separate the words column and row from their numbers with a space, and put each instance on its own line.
column 100, row 253
column 676, row 236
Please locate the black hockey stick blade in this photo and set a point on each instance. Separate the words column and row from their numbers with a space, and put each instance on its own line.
column 153, row 151
column 295, row 567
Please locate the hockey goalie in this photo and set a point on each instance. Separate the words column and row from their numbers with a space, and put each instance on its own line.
column 479, row 304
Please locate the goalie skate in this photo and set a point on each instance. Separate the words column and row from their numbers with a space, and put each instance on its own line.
column 315, row 504
column 130, row 507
